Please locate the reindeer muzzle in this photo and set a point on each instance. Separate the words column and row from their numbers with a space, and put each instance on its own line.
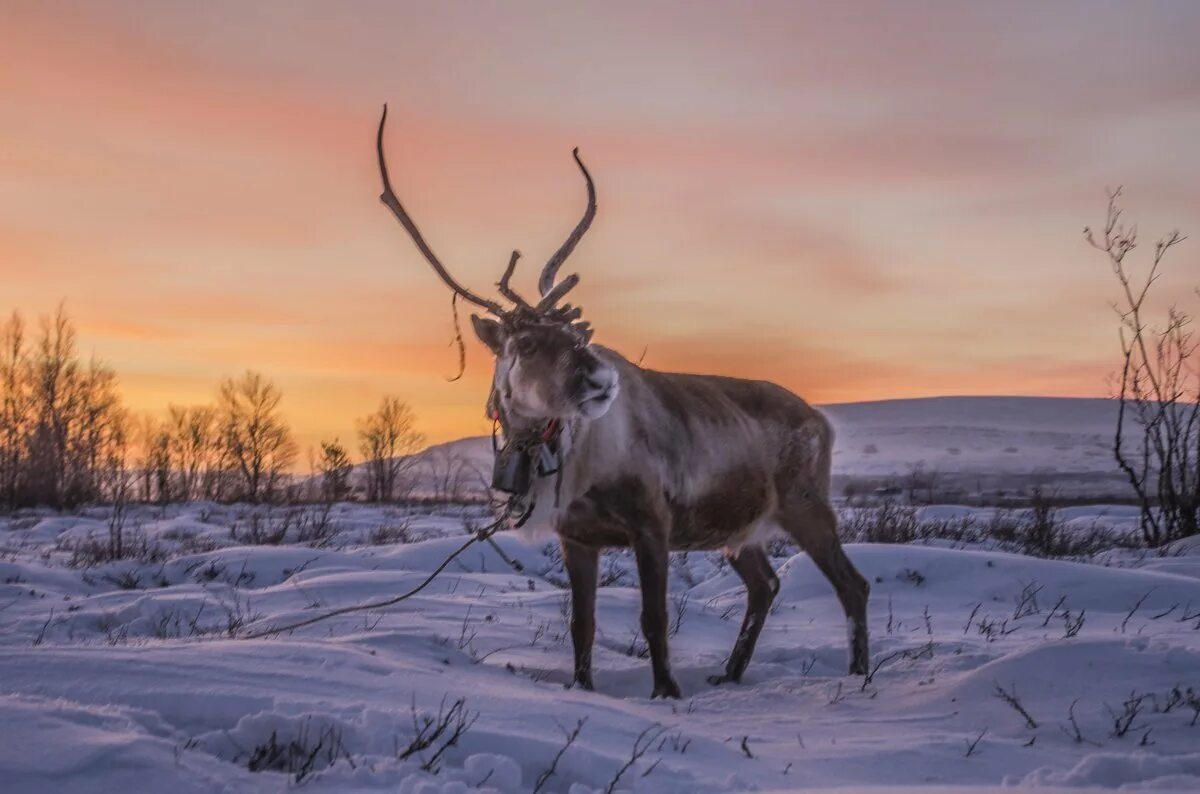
column 515, row 464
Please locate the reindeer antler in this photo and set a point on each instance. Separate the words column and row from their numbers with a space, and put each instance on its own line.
column 546, row 309
column 551, row 293
column 388, row 197
column 508, row 291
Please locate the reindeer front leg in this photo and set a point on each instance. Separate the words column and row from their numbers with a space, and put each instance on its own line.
column 582, row 564
column 652, row 558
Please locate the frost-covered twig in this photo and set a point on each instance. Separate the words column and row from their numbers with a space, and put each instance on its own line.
column 1075, row 733
column 431, row 731
column 42, row 634
column 971, row 618
column 1057, row 604
column 906, row 653
column 679, row 603
column 1135, row 608
column 571, row 736
column 641, row 744
column 993, row 629
column 299, row 757
column 1166, row 612
column 1123, row 722
column 465, row 639
column 1027, row 601
column 1011, row 699
column 1179, row 697
column 1072, row 625
column 972, row 745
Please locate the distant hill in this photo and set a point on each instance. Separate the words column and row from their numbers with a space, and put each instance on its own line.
column 452, row 470
column 975, row 434
column 979, row 442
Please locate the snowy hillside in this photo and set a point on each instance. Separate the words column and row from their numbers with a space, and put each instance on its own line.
column 973, row 443
column 976, row 434
column 130, row 675
column 459, row 468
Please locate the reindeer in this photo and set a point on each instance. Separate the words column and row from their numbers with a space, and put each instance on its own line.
column 653, row 461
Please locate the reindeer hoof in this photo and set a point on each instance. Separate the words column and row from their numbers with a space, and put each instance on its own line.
column 581, row 683
column 666, row 689
column 724, row 678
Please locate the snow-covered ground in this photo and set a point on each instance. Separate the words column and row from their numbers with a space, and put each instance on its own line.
column 130, row 676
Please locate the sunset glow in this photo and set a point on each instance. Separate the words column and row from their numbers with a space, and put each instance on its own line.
column 858, row 205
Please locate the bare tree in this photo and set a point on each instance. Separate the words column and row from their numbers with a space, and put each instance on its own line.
column 388, row 438
column 334, row 467
column 1158, row 390
column 255, row 437
column 154, row 464
column 449, row 474
column 14, row 407
column 116, row 484
column 195, row 451
column 97, row 434
column 53, row 370
column 68, row 417
column 920, row 479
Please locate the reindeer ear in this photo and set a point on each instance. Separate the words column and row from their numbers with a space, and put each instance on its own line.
column 490, row 332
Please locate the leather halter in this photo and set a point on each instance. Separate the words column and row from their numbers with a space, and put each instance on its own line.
column 523, row 458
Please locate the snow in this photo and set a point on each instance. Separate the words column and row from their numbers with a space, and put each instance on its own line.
column 976, row 434
column 138, row 681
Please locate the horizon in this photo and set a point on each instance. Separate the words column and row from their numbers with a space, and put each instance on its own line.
column 306, row 447
column 198, row 185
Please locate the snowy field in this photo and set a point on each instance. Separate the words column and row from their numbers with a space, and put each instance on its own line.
column 130, row 675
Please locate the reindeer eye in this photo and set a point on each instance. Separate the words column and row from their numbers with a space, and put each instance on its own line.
column 526, row 346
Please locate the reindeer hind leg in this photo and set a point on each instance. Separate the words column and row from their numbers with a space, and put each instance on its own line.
column 754, row 568
column 813, row 525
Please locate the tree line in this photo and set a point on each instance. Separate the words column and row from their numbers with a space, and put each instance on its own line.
column 66, row 438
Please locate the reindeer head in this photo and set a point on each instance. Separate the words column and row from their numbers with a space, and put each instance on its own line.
column 545, row 367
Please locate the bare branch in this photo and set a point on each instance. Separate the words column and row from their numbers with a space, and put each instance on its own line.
column 644, row 741
column 1011, row 699
column 570, row 740
column 971, row 745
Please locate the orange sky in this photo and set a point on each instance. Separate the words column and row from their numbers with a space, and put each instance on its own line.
column 882, row 201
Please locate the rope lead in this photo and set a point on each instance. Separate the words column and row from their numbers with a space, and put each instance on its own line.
column 484, row 534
